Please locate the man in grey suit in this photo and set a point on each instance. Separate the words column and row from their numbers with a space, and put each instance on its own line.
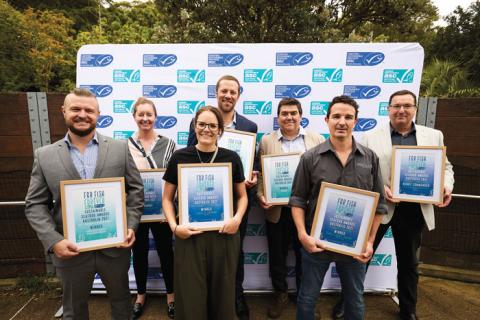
column 83, row 154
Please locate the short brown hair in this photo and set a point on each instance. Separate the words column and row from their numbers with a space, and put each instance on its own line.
column 402, row 93
column 343, row 99
column 143, row 100
column 81, row 92
column 227, row 77
column 215, row 111
column 289, row 102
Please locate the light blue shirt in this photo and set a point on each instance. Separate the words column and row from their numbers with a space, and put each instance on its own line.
column 85, row 162
column 232, row 125
column 296, row 144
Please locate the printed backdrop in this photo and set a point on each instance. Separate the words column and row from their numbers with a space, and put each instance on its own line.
column 180, row 78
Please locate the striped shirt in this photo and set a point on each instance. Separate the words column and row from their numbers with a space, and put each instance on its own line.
column 85, row 162
column 296, row 144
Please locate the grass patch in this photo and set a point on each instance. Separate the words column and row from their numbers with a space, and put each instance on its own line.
column 37, row 284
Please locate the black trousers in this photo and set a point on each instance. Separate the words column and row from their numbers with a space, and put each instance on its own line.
column 280, row 235
column 240, row 273
column 407, row 224
column 163, row 243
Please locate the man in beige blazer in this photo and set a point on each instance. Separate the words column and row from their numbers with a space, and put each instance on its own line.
column 281, row 232
column 406, row 219
column 83, row 154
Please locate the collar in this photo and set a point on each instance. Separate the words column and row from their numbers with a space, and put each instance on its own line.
column 69, row 143
column 280, row 136
column 392, row 129
column 234, row 120
column 327, row 146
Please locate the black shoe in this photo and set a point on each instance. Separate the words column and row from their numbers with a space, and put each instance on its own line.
column 338, row 311
column 276, row 309
column 241, row 308
column 137, row 310
column 171, row 310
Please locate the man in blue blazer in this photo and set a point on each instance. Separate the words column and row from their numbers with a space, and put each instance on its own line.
column 228, row 92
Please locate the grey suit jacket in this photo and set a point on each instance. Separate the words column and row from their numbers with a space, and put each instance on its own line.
column 53, row 164
column 380, row 141
column 271, row 145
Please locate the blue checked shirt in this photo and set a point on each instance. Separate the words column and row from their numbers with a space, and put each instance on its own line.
column 84, row 163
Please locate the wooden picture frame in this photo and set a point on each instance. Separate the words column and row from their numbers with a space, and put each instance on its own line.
column 94, row 212
column 153, row 186
column 278, row 171
column 243, row 143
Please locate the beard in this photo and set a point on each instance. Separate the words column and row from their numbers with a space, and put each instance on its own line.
column 80, row 133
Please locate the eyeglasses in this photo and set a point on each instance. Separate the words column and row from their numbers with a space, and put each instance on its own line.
column 203, row 125
column 397, row 107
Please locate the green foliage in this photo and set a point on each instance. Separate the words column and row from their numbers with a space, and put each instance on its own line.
column 447, row 79
column 37, row 284
column 460, row 40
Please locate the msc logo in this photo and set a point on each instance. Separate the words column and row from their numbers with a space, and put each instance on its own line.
column 293, row 58
column 292, row 91
column 365, row 124
column 259, row 136
column 104, row 121
column 159, row 91
column 361, row 92
column 257, row 107
column 95, row 60
column 190, row 75
column 384, row 260
column 99, row 90
column 122, row 106
column 398, row 75
column 122, row 135
column 159, row 60
column 327, row 75
column 319, row 108
column 256, row 258
column 126, row 75
column 304, row 123
column 182, row 138
column 189, row 107
column 165, row 122
column 364, row 58
column 258, row 75
column 224, row 59
column 383, row 109
column 256, row 230
column 389, row 233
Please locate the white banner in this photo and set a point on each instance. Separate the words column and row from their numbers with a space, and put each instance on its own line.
column 180, row 78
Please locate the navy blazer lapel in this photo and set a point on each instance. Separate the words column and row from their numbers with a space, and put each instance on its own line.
column 66, row 159
column 102, row 154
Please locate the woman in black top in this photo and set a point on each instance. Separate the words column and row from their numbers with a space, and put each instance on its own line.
column 149, row 151
column 205, row 262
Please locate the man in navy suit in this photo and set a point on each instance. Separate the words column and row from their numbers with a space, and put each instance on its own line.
column 228, row 92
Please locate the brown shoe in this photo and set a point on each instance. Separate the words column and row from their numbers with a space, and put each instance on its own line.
column 281, row 301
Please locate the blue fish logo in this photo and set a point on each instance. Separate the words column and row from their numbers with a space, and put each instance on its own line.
column 302, row 58
column 301, row 91
column 104, row 121
column 99, row 90
column 373, row 58
column 232, row 60
column 159, row 91
column 159, row 60
column 135, row 76
column 304, row 122
column 165, row 122
column 365, row 124
column 370, row 92
column 103, row 60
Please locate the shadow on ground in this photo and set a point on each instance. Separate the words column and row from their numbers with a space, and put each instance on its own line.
column 438, row 299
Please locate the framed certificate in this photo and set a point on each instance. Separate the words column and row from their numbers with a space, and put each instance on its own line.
column 205, row 195
column 343, row 218
column 278, row 172
column 94, row 212
column 418, row 173
column 153, row 185
column 243, row 143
